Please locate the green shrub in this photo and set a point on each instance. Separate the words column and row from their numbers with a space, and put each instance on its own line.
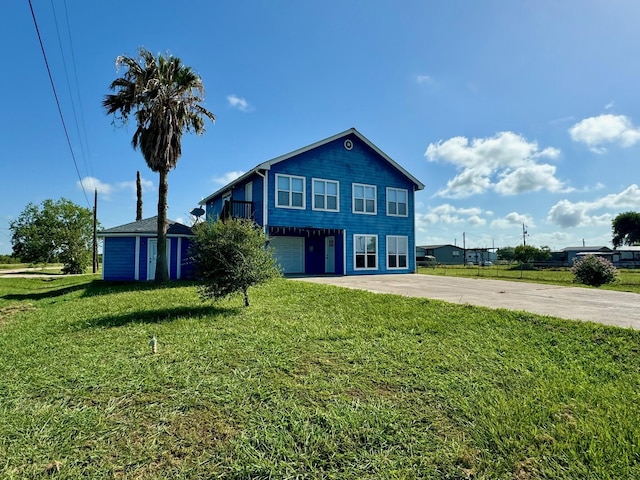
column 230, row 257
column 594, row 271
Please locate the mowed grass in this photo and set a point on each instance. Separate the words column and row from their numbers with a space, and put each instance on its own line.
column 628, row 279
column 311, row 381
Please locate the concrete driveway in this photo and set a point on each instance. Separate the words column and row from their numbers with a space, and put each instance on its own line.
column 621, row 309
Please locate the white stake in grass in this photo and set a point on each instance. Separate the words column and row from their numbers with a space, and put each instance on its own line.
column 154, row 344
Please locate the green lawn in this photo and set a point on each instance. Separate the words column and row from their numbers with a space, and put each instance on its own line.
column 310, row 381
column 628, row 279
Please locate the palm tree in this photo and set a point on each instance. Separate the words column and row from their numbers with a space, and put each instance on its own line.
column 165, row 97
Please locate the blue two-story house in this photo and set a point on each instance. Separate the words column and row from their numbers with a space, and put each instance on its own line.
column 338, row 206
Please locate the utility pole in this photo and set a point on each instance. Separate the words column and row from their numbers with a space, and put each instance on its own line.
column 524, row 235
column 95, row 231
column 464, row 249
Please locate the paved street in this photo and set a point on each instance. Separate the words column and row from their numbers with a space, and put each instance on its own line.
column 603, row 306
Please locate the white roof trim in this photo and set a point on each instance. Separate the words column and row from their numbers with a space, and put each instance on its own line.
column 143, row 234
column 267, row 165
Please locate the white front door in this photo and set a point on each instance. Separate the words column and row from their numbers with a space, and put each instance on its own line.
column 330, row 255
column 152, row 255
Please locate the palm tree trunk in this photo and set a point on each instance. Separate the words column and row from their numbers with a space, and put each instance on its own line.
column 162, row 269
column 139, row 197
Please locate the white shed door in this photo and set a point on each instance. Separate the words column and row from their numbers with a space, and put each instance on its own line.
column 289, row 251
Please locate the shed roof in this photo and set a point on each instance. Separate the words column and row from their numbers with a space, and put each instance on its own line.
column 431, row 247
column 146, row 226
column 267, row 165
column 586, row 249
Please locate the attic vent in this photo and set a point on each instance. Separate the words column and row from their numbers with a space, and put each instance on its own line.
column 348, row 144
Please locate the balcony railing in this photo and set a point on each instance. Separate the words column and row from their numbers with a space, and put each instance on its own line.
column 237, row 209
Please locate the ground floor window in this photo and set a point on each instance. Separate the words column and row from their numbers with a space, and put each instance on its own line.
column 397, row 252
column 366, row 252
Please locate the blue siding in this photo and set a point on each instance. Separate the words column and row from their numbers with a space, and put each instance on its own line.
column 186, row 266
column 119, row 255
column 213, row 208
column 332, row 161
column 172, row 248
column 143, row 261
column 358, row 165
column 119, row 258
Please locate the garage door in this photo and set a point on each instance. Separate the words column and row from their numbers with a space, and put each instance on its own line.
column 289, row 252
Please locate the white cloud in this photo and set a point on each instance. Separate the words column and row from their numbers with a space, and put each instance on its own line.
column 506, row 162
column 90, row 184
column 605, row 129
column 476, row 221
column 238, row 102
column 147, row 185
column 420, row 79
column 106, row 189
column 511, row 220
column 556, row 121
column 579, row 214
column 529, row 178
column 228, row 177
column 450, row 215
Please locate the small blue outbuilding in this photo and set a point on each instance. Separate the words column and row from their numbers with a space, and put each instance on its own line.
column 129, row 251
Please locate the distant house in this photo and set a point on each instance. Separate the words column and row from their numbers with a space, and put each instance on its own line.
column 337, row 206
column 627, row 257
column 446, row 254
column 480, row 256
column 129, row 251
column 569, row 254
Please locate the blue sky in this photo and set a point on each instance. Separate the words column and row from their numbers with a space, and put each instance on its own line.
column 509, row 112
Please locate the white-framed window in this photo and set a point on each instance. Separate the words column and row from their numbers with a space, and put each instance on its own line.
column 290, row 191
column 397, row 252
column 364, row 198
column 397, row 202
column 365, row 252
column 325, row 195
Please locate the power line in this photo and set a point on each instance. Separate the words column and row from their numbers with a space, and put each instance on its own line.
column 66, row 74
column 55, row 94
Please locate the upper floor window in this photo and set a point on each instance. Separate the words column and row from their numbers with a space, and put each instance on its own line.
column 397, row 202
column 290, row 191
column 397, row 252
column 325, row 195
column 365, row 252
column 364, row 198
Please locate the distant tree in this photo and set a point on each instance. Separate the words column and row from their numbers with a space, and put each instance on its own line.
column 231, row 256
column 595, row 271
column 506, row 253
column 8, row 259
column 529, row 253
column 55, row 231
column 165, row 96
column 626, row 229
column 544, row 253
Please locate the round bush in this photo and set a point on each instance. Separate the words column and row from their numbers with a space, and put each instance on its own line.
column 594, row 271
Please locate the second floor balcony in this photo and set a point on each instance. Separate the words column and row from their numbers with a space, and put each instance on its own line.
column 237, row 209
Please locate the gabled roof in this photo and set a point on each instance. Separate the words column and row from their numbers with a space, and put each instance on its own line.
column 432, row 247
column 586, row 249
column 267, row 165
column 146, row 226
